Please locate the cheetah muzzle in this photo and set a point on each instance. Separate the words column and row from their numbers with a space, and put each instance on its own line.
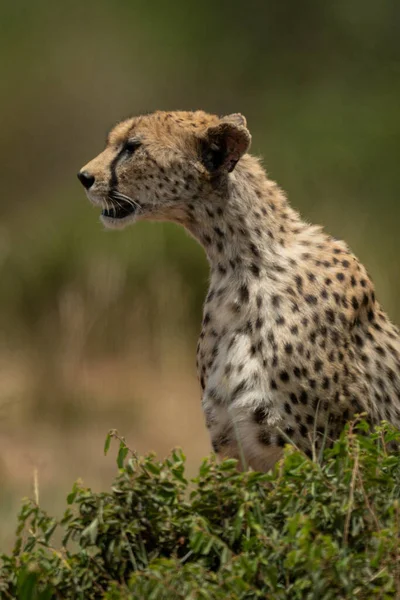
column 293, row 341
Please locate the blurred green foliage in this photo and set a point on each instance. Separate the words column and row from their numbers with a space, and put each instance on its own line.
column 306, row 531
column 319, row 84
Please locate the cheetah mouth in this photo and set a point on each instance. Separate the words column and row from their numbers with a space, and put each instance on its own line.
column 120, row 206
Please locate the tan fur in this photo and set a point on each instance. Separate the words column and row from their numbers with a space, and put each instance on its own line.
column 293, row 341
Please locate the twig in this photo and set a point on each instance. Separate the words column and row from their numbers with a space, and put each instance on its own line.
column 240, row 445
column 36, row 486
column 351, row 497
column 114, row 434
column 131, row 556
column 397, row 568
column 367, row 502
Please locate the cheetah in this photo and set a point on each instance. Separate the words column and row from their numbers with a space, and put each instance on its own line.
column 293, row 341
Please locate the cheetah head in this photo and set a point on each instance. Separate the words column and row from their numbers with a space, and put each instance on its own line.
column 156, row 166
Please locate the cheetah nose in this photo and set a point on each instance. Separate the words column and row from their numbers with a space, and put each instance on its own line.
column 86, row 179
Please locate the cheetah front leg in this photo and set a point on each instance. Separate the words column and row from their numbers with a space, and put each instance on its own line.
column 242, row 414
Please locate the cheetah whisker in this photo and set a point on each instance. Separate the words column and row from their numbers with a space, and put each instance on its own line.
column 115, row 195
column 108, row 206
column 112, row 204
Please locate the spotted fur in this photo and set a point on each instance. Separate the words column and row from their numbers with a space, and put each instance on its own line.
column 293, row 341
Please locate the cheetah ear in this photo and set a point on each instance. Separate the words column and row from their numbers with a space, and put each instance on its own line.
column 225, row 143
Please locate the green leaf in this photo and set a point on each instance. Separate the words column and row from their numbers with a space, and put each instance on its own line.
column 50, row 530
column 91, row 531
column 122, row 453
column 107, row 443
column 153, row 468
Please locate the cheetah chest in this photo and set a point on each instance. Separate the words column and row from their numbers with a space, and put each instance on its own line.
column 267, row 364
column 232, row 357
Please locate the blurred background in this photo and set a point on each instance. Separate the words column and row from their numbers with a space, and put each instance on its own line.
column 98, row 329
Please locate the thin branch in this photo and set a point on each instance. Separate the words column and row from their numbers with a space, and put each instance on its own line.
column 351, row 497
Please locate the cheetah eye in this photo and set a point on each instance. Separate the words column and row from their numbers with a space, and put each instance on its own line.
column 130, row 146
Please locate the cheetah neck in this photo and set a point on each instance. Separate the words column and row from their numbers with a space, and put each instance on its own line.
column 249, row 227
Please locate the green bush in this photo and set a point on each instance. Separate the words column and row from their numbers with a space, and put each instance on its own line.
column 310, row 530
